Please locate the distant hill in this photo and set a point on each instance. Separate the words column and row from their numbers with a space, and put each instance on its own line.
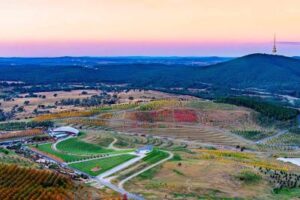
column 92, row 61
column 256, row 70
column 262, row 71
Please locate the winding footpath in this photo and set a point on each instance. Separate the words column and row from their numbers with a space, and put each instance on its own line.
column 111, row 145
column 53, row 146
column 265, row 140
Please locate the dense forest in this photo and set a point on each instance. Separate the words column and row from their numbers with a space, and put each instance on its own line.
column 265, row 108
column 275, row 73
column 94, row 100
column 9, row 126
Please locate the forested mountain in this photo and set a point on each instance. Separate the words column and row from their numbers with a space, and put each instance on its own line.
column 256, row 70
column 253, row 71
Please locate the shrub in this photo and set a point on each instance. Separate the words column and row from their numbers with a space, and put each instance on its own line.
column 249, row 177
column 177, row 157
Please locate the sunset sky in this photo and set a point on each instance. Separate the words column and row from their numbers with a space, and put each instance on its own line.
column 148, row 27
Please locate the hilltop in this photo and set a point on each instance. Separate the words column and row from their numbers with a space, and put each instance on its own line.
column 255, row 70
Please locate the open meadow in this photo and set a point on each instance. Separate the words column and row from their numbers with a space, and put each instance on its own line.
column 210, row 174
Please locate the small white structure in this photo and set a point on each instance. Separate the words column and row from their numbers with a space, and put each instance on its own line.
column 63, row 131
column 67, row 129
column 144, row 149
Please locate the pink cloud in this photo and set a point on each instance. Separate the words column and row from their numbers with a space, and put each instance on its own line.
column 29, row 49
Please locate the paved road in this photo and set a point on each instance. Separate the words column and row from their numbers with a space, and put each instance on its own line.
column 105, row 181
column 121, row 184
column 122, row 166
column 117, row 189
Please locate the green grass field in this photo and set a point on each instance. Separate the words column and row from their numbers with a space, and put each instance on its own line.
column 65, row 157
column 149, row 174
column 155, row 156
column 98, row 166
column 76, row 146
column 73, row 156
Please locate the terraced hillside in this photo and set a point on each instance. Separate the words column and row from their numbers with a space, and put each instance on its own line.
column 201, row 121
column 199, row 134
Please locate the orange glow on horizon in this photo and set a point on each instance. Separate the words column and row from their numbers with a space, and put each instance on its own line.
column 148, row 21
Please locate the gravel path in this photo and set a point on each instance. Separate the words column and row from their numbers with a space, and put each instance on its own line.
column 121, row 184
column 265, row 140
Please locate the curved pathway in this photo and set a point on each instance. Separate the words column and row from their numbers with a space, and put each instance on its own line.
column 265, row 140
column 53, row 146
column 111, row 145
column 121, row 184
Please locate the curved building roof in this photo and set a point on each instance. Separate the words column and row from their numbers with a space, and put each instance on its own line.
column 68, row 129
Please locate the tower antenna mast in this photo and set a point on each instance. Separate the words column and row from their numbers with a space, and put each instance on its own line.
column 274, row 51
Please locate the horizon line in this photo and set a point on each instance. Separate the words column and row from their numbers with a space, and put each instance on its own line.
column 141, row 56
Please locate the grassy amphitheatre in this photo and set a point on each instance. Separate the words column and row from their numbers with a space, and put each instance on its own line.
column 46, row 148
column 98, row 166
column 74, row 149
column 78, row 147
